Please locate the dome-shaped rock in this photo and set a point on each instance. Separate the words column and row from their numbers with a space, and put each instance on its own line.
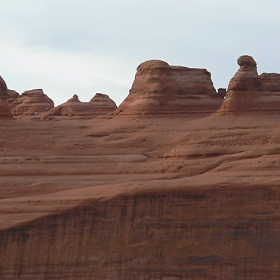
column 31, row 102
column 100, row 104
column 103, row 104
column 160, row 88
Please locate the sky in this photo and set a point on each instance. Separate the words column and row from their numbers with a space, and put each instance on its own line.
column 84, row 47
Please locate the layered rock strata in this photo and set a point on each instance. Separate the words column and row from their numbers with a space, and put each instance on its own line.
column 103, row 104
column 160, row 88
column 100, row 104
column 31, row 102
column 12, row 95
column 249, row 92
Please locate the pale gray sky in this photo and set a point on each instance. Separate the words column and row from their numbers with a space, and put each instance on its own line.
column 82, row 47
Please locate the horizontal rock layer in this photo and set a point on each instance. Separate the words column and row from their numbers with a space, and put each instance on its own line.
column 162, row 89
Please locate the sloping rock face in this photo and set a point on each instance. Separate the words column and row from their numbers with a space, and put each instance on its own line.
column 160, row 88
column 103, row 104
column 31, row 102
column 5, row 112
column 12, row 95
column 248, row 91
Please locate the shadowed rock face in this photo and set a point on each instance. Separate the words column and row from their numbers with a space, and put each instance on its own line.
column 248, row 91
column 12, row 95
column 160, row 88
column 3, row 89
column 31, row 102
column 5, row 112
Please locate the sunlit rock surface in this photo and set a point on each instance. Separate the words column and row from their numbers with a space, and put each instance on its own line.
column 150, row 197
column 31, row 102
column 160, row 88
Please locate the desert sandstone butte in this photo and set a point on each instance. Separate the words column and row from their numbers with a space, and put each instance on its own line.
column 159, row 88
column 152, row 194
column 100, row 104
column 31, row 102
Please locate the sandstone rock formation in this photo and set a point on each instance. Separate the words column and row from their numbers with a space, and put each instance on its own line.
column 12, row 95
column 100, row 104
column 247, row 91
column 160, row 88
column 103, row 104
column 31, row 102
column 174, row 197
column 5, row 112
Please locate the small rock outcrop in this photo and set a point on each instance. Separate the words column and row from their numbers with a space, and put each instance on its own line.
column 5, row 112
column 31, row 102
column 103, row 104
column 159, row 88
column 248, row 91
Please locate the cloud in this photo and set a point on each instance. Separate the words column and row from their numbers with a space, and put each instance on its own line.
column 82, row 47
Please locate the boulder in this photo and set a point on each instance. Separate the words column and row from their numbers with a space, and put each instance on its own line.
column 31, row 102
column 159, row 88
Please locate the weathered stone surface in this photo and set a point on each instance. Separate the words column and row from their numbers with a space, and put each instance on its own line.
column 101, row 104
column 156, row 197
column 248, row 91
column 244, row 88
column 3, row 89
column 5, row 112
column 100, row 201
column 31, row 102
column 159, row 88
column 12, row 95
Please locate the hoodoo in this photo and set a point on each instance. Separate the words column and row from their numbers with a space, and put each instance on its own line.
column 249, row 92
column 159, row 88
